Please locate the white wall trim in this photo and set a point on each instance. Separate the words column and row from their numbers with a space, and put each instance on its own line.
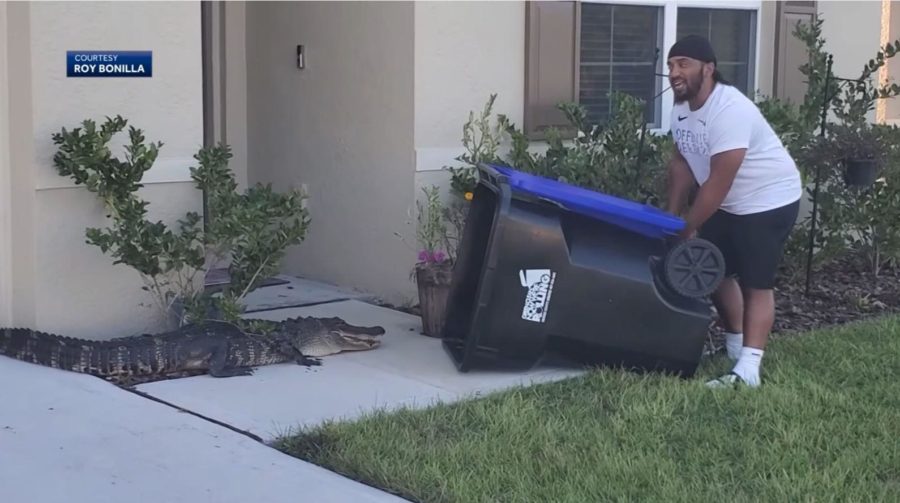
column 719, row 4
column 670, row 32
column 757, row 19
column 436, row 158
column 163, row 171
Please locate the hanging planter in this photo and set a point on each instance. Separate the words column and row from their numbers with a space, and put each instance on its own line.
column 433, row 281
column 859, row 150
column 860, row 172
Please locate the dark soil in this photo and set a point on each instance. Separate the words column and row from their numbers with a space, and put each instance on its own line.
column 841, row 292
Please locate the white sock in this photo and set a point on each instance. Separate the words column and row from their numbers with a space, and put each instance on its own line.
column 733, row 343
column 747, row 365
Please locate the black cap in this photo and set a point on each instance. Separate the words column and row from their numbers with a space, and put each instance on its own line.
column 694, row 46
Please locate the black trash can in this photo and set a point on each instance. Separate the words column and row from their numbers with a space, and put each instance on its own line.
column 546, row 267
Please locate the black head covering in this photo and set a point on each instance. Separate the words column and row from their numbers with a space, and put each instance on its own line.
column 699, row 48
column 694, row 46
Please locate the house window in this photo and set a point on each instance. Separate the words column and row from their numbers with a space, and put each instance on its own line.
column 583, row 50
column 618, row 52
column 732, row 33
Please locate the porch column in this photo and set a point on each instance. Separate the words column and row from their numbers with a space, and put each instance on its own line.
column 17, row 182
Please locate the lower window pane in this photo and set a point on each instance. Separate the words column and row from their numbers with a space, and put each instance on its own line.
column 736, row 75
column 599, row 81
column 618, row 46
column 593, row 95
column 730, row 31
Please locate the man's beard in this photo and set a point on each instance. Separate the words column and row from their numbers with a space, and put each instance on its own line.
column 692, row 86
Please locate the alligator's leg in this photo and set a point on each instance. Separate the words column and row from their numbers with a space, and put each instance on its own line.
column 288, row 349
column 218, row 365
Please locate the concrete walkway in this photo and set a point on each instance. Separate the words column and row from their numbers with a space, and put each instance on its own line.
column 69, row 438
column 407, row 370
column 66, row 437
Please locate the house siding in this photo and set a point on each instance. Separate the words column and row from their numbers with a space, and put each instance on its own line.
column 6, row 263
column 375, row 115
column 61, row 283
column 19, row 278
column 852, row 32
column 343, row 128
column 464, row 51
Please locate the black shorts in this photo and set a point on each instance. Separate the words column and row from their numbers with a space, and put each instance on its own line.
column 752, row 244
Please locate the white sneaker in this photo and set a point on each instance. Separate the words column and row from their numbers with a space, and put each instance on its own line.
column 729, row 380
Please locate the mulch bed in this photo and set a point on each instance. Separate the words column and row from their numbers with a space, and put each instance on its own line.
column 841, row 292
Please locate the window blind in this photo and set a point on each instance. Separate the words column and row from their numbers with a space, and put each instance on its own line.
column 731, row 33
column 618, row 47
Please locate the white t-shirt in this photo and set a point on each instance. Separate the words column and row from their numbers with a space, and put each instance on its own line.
column 768, row 177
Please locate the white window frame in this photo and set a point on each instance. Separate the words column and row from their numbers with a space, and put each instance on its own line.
column 670, row 30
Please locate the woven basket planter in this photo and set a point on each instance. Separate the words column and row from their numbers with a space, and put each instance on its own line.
column 433, row 281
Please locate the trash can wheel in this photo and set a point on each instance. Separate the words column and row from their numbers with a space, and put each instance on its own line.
column 694, row 268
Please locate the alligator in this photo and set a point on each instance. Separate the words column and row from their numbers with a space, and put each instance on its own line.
column 217, row 348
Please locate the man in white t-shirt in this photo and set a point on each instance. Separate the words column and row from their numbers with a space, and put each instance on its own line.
column 747, row 201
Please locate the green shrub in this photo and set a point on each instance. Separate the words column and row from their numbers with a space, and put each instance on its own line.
column 621, row 159
column 850, row 221
column 481, row 140
column 251, row 230
column 863, row 221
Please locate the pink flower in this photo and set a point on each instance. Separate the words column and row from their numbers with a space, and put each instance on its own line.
column 432, row 257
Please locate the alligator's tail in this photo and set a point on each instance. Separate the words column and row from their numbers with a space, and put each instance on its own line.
column 56, row 351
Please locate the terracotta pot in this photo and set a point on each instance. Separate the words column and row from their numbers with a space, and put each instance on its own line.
column 433, row 281
column 860, row 172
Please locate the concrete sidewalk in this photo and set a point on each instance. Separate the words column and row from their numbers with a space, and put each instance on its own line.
column 66, row 437
column 407, row 370
column 70, row 438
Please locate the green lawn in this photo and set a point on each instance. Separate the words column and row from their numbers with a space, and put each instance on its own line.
column 825, row 426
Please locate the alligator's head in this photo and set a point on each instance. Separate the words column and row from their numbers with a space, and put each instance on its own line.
column 354, row 336
column 325, row 336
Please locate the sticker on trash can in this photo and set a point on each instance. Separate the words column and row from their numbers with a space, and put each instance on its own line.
column 539, row 283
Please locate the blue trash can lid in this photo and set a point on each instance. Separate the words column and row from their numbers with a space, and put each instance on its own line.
column 641, row 218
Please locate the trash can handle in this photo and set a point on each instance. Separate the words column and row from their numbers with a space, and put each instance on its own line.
column 495, row 177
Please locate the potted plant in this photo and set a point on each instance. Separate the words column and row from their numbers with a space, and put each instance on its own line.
column 434, row 268
column 860, row 152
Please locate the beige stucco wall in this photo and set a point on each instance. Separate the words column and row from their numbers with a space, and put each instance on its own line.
column 67, row 285
column 227, row 82
column 343, row 127
column 21, row 228
column 235, row 89
column 464, row 51
column 852, row 32
column 851, row 47
column 5, row 180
